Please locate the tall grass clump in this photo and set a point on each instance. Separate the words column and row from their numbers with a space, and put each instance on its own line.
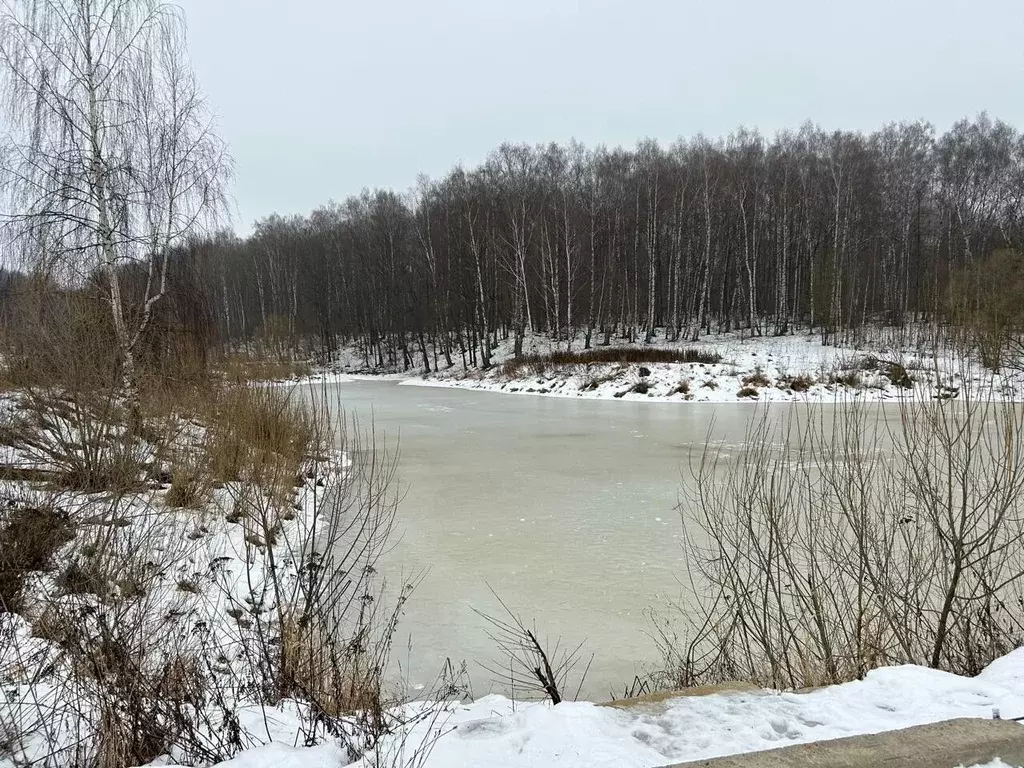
column 260, row 434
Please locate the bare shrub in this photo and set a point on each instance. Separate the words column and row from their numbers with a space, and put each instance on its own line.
column 57, row 340
column 845, row 541
column 81, row 437
column 534, row 666
column 748, row 391
column 73, row 419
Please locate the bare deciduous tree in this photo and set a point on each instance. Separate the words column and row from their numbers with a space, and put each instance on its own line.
column 111, row 158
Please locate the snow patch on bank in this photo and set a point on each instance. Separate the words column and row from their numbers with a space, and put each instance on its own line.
column 320, row 377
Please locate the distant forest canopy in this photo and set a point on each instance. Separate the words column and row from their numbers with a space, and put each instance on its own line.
column 828, row 231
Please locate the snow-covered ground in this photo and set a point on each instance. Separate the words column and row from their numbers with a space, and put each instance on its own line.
column 211, row 589
column 498, row 733
column 751, row 369
column 193, row 583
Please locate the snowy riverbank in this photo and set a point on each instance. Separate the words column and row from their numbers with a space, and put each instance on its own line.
column 138, row 605
column 745, row 369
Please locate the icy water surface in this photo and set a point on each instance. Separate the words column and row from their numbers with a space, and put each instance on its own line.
column 567, row 508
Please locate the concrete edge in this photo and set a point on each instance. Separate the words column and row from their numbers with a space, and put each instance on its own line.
column 945, row 744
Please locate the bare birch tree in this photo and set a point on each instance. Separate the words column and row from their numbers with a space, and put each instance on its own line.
column 111, row 158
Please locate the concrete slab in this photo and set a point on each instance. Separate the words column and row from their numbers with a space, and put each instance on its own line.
column 652, row 700
column 939, row 745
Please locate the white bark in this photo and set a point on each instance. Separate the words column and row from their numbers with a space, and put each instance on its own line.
column 113, row 155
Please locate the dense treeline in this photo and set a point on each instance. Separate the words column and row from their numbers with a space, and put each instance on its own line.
column 831, row 231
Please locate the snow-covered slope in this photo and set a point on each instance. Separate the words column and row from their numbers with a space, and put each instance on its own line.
column 211, row 587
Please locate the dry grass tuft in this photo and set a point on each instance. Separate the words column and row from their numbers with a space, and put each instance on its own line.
column 261, row 435
column 29, row 538
column 682, row 388
column 241, row 369
column 189, row 487
column 756, row 379
column 540, row 365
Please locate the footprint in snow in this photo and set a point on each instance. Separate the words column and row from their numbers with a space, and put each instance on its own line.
column 784, row 728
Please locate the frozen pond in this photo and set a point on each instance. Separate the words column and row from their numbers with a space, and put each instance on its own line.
column 567, row 508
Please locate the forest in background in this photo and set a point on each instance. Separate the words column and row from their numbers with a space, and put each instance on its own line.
column 832, row 232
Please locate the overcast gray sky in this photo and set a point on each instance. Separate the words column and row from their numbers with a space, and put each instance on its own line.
column 320, row 98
